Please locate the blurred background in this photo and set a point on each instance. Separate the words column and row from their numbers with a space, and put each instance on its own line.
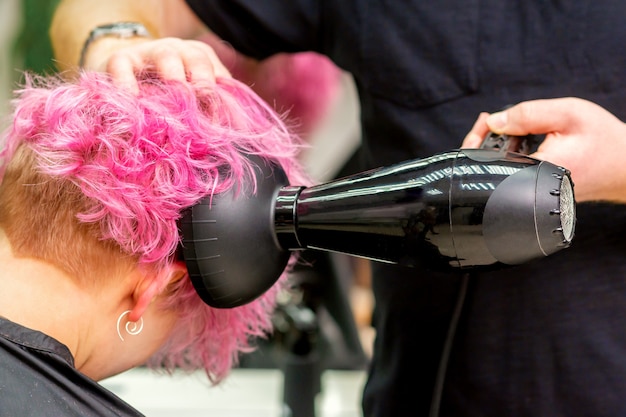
column 316, row 360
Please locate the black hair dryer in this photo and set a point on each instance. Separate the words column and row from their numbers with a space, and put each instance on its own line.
column 466, row 208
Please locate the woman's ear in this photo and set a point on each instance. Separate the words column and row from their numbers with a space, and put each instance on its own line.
column 147, row 288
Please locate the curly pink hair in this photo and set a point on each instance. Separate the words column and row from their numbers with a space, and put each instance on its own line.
column 125, row 165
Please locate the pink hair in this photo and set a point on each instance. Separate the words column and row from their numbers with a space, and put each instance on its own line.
column 141, row 159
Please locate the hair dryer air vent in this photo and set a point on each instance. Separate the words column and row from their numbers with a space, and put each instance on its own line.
column 567, row 206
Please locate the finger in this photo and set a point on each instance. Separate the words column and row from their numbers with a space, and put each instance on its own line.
column 169, row 65
column 200, row 63
column 551, row 157
column 539, row 155
column 478, row 132
column 203, row 63
column 534, row 117
column 122, row 70
column 198, row 68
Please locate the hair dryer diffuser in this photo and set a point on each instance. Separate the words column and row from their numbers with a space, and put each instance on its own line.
column 228, row 241
column 468, row 208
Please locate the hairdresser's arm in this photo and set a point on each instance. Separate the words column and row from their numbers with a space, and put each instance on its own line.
column 170, row 22
column 580, row 136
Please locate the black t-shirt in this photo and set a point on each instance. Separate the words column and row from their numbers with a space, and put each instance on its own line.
column 544, row 338
column 38, row 379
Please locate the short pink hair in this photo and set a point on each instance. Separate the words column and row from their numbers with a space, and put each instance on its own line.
column 140, row 159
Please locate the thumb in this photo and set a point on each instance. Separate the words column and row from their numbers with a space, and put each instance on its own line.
column 533, row 117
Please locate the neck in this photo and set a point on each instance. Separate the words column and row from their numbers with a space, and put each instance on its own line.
column 36, row 295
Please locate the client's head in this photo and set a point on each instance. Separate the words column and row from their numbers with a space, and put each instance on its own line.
column 94, row 180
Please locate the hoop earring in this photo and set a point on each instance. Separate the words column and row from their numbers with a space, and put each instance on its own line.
column 133, row 328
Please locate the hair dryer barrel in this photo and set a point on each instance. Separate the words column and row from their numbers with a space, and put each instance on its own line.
column 466, row 208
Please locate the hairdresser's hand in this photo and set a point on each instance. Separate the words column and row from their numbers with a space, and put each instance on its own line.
column 167, row 58
column 580, row 136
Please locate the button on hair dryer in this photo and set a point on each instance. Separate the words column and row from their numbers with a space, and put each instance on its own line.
column 467, row 208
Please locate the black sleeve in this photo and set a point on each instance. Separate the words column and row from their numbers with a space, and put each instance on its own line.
column 260, row 28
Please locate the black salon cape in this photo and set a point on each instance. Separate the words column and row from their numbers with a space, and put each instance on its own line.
column 38, row 379
column 544, row 339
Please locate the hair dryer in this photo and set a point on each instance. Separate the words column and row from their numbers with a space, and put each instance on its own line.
column 466, row 208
